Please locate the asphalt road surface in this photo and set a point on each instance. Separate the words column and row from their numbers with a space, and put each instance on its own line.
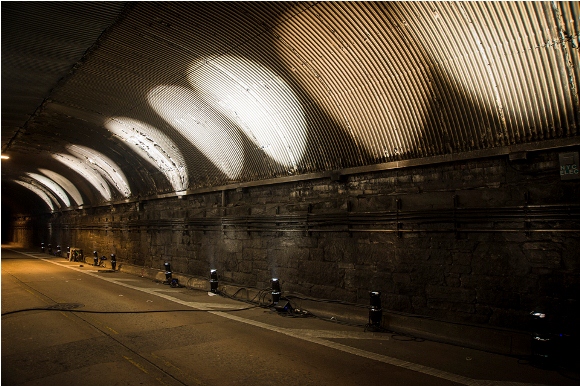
column 67, row 324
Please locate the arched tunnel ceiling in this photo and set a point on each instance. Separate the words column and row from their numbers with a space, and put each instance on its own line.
column 124, row 101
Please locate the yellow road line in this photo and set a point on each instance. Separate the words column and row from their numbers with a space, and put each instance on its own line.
column 135, row 364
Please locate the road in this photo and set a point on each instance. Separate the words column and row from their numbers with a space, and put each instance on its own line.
column 67, row 324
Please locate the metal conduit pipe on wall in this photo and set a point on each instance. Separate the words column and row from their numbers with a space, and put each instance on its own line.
column 533, row 216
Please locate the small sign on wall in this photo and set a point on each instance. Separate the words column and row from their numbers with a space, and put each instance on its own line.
column 569, row 166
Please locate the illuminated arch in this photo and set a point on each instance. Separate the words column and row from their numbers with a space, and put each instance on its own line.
column 89, row 173
column 66, row 185
column 53, row 186
column 104, row 165
column 37, row 191
column 190, row 115
column 260, row 102
column 154, row 147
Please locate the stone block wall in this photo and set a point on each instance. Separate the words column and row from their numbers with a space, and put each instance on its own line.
column 481, row 241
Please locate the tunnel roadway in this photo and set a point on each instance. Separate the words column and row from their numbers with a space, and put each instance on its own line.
column 69, row 323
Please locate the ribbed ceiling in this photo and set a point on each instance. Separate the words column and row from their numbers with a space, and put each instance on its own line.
column 161, row 97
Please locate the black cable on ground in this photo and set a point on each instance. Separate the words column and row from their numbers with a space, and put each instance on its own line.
column 120, row 312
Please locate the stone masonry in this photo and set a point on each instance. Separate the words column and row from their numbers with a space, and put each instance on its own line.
column 482, row 241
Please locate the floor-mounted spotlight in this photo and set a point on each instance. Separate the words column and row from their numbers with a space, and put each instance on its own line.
column 168, row 274
column 169, row 279
column 276, row 291
column 376, row 311
column 213, row 280
column 542, row 344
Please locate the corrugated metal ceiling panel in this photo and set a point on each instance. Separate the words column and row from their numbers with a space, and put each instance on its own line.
column 249, row 91
column 41, row 42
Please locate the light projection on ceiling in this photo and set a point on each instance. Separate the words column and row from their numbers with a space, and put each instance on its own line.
column 263, row 106
column 218, row 139
column 38, row 192
column 68, row 186
column 90, row 174
column 230, row 98
column 102, row 164
column 53, row 186
column 154, row 147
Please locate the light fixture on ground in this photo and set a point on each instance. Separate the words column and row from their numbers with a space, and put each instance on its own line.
column 213, row 280
column 169, row 279
column 276, row 291
column 168, row 274
column 541, row 345
column 376, row 311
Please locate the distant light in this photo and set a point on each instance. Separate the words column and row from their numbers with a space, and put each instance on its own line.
column 4, row 156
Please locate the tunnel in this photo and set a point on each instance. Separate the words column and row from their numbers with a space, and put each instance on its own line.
column 426, row 151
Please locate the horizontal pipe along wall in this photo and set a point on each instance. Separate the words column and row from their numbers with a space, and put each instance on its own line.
column 483, row 241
